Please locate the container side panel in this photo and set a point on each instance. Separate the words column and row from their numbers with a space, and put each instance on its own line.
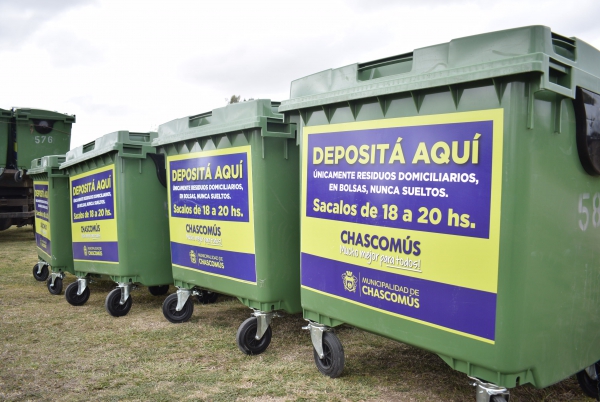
column 60, row 216
column 4, row 136
column 276, row 183
column 142, row 224
column 550, row 234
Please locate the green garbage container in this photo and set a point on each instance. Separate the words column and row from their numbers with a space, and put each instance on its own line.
column 5, row 116
column 233, row 184
column 450, row 200
column 118, row 218
column 26, row 134
column 52, row 221
column 40, row 132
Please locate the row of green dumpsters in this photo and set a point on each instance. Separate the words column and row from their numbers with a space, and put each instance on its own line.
column 447, row 198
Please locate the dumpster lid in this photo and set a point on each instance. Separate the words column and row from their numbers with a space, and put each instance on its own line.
column 24, row 113
column 564, row 64
column 260, row 113
column 128, row 144
column 5, row 113
column 46, row 163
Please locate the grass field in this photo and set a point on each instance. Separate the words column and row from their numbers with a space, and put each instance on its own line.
column 54, row 351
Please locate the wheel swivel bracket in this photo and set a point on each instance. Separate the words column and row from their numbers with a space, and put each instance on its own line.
column 182, row 297
column 263, row 320
column 125, row 290
column 484, row 390
column 81, row 285
column 55, row 275
column 316, row 336
column 591, row 371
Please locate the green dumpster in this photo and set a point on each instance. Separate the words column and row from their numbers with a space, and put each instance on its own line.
column 52, row 221
column 5, row 116
column 233, row 184
column 26, row 134
column 40, row 132
column 118, row 218
column 450, row 200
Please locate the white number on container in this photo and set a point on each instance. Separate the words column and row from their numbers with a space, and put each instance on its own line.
column 41, row 139
column 583, row 210
column 596, row 213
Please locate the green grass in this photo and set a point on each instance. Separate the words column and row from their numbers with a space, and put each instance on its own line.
column 54, row 351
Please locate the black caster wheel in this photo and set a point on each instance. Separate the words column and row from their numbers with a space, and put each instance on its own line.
column 158, row 290
column 6, row 223
column 332, row 364
column 170, row 309
column 113, row 304
column 246, row 340
column 206, row 297
column 58, row 285
column 588, row 385
column 43, row 275
column 73, row 298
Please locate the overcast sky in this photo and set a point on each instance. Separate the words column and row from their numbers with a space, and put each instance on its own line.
column 132, row 65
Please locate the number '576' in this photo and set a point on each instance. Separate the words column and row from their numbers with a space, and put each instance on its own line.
column 40, row 139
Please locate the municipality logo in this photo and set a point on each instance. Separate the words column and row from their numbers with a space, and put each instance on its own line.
column 349, row 281
column 85, row 250
column 192, row 256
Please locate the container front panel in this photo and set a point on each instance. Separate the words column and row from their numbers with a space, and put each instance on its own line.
column 32, row 144
column 93, row 216
column 43, row 235
column 402, row 216
column 211, row 213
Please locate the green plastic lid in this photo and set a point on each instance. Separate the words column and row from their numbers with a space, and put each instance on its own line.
column 564, row 64
column 259, row 113
column 46, row 164
column 28, row 113
column 128, row 144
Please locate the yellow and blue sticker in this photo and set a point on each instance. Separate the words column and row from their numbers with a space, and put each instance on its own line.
column 211, row 219
column 402, row 216
column 43, row 235
column 94, row 216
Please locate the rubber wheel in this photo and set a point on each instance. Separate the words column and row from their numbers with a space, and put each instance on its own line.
column 206, row 297
column 6, row 223
column 332, row 364
column 589, row 386
column 113, row 305
column 42, row 276
column 170, row 309
column 158, row 290
column 57, row 288
column 246, row 340
column 497, row 398
column 73, row 298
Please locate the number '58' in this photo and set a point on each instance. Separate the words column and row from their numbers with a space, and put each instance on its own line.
column 585, row 213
